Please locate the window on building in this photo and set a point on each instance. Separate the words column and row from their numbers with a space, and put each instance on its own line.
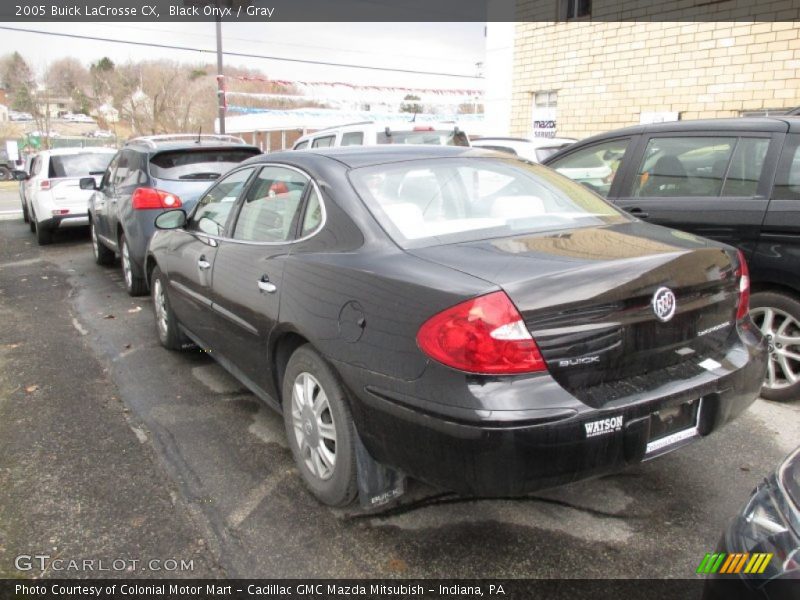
column 574, row 9
column 544, row 114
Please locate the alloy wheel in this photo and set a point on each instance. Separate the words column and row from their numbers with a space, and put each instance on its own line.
column 126, row 264
column 95, row 247
column 160, row 302
column 314, row 427
column 782, row 332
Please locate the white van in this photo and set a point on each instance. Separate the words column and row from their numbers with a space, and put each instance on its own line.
column 370, row 133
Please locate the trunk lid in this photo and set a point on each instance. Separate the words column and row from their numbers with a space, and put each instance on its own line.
column 587, row 297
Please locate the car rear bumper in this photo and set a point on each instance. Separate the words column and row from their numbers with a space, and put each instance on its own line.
column 504, row 453
column 64, row 221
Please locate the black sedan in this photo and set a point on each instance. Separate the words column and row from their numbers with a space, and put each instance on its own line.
column 456, row 315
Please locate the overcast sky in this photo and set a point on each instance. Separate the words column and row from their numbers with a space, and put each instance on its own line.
column 439, row 47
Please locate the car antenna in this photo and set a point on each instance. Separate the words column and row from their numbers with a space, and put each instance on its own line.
column 199, row 133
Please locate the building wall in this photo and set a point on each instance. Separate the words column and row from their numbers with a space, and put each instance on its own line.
column 607, row 73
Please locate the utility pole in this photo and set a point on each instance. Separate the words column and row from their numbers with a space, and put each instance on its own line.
column 220, row 79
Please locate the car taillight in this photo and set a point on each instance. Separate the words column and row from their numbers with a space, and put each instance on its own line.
column 145, row 198
column 44, row 184
column 483, row 335
column 743, row 273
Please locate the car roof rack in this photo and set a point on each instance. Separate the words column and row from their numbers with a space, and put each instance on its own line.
column 339, row 126
column 151, row 140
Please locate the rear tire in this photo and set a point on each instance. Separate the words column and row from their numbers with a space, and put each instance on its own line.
column 319, row 428
column 135, row 283
column 44, row 235
column 102, row 254
column 32, row 221
column 25, row 216
column 777, row 315
column 167, row 327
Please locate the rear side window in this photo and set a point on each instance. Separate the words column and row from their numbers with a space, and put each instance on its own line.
column 684, row 166
column 301, row 145
column 269, row 211
column 595, row 166
column 202, row 165
column 323, row 142
column 744, row 171
column 79, row 165
column 353, row 138
column 787, row 179
column 701, row 167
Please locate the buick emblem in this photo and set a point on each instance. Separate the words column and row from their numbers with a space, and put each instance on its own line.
column 664, row 304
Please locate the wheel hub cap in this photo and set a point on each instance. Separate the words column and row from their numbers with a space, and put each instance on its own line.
column 314, row 428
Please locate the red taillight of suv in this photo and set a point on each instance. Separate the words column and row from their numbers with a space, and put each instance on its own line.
column 44, row 184
column 146, row 198
column 743, row 273
column 483, row 335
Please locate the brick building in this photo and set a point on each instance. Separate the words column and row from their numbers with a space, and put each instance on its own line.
column 582, row 72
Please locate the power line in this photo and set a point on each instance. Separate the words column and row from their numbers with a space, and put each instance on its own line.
column 238, row 54
column 282, row 43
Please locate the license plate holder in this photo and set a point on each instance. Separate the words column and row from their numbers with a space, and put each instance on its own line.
column 673, row 427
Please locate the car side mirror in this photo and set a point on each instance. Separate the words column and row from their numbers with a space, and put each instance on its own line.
column 171, row 219
column 88, row 183
column 19, row 175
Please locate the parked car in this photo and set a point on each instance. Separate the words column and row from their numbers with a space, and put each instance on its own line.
column 100, row 133
column 14, row 115
column 77, row 118
column 533, row 149
column 53, row 192
column 24, row 185
column 758, row 556
column 148, row 176
column 464, row 317
column 370, row 133
column 733, row 180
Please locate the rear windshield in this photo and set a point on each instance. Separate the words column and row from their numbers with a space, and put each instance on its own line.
column 197, row 165
column 437, row 137
column 79, row 165
column 441, row 201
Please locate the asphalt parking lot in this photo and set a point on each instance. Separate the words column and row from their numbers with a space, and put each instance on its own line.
column 111, row 446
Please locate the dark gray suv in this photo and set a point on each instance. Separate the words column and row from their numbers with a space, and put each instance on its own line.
column 146, row 177
column 732, row 180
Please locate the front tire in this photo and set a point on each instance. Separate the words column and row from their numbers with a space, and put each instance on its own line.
column 319, row 428
column 167, row 328
column 777, row 315
column 102, row 254
column 135, row 283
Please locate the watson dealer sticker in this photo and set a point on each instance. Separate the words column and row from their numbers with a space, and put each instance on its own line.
column 603, row 426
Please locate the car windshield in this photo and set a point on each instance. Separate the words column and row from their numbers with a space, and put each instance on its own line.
column 440, row 201
column 202, row 165
column 425, row 135
column 79, row 165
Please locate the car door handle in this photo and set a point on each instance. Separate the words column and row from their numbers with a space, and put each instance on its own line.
column 203, row 264
column 265, row 285
column 638, row 213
